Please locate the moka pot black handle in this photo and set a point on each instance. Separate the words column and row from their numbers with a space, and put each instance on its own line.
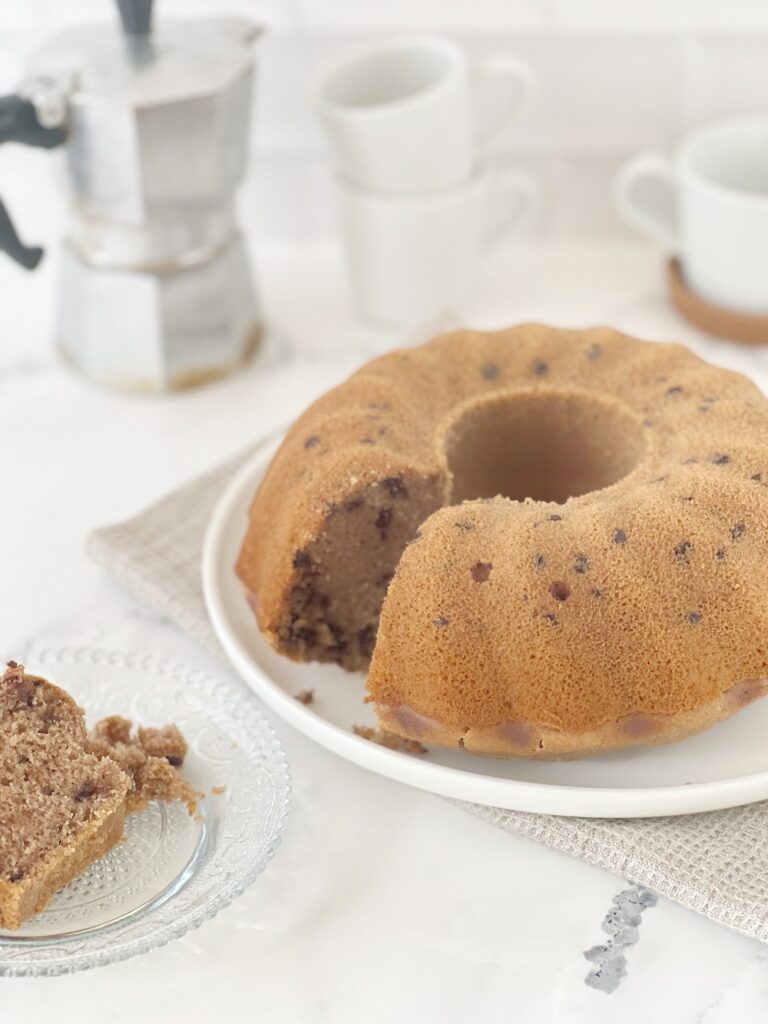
column 19, row 123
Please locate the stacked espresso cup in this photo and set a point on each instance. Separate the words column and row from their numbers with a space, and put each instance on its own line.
column 408, row 122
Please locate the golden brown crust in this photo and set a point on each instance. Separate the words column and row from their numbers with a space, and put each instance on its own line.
column 523, row 739
column 20, row 900
column 645, row 594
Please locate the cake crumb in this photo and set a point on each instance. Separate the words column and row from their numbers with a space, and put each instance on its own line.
column 149, row 757
column 218, row 790
column 305, row 696
column 389, row 740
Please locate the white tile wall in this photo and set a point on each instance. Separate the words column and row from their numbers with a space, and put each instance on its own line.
column 614, row 76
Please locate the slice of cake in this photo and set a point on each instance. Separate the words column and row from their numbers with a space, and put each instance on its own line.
column 64, row 793
column 61, row 806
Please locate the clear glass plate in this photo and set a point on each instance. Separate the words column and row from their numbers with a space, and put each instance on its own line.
column 171, row 872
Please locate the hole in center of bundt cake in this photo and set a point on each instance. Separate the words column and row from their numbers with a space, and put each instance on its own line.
column 547, row 445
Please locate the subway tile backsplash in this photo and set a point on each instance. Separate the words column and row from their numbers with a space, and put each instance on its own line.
column 605, row 91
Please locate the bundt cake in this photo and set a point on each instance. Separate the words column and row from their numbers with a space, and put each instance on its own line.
column 567, row 531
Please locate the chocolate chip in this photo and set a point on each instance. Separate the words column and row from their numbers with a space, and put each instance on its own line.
column 489, row 371
column 86, row 790
column 738, row 530
column 480, row 571
column 440, row 621
column 312, row 442
column 366, row 638
column 12, row 664
column 676, row 389
column 540, row 368
column 301, row 560
column 539, row 561
column 395, row 486
column 174, row 760
column 720, row 554
column 682, row 549
column 619, row 537
column 306, row 635
column 559, row 590
column 23, row 693
column 720, row 459
column 16, row 876
column 581, row 564
column 555, row 518
column 461, row 741
column 382, row 522
column 594, row 352
column 694, row 617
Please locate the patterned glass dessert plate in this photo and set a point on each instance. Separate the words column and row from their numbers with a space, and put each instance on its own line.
column 723, row 767
column 171, row 872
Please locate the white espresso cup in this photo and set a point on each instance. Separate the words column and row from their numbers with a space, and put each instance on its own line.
column 711, row 210
column 407, row 116
column 413, row 258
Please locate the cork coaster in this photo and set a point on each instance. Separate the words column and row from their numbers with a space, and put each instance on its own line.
column 750, row 329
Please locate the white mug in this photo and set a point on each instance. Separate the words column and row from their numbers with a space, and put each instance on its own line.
column 717, row 224
column 413, row 258
column 407, row 116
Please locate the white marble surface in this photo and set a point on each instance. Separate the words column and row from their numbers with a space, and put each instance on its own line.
column 383, row 904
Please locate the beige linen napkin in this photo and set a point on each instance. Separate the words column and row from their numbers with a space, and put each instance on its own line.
column 714, row 863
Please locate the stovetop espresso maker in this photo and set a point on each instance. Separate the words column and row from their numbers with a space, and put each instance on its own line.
column 155, row 287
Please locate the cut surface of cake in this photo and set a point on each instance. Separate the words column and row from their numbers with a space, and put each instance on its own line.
column 61, row 806
column 64, row 793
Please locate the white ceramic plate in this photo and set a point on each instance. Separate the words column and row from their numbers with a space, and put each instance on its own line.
column 724, row 767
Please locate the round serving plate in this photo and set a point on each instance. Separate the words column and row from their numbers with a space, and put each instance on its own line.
column 723, row 767
column 172, row 871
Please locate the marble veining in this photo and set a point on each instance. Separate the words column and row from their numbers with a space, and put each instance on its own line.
column 622, row 923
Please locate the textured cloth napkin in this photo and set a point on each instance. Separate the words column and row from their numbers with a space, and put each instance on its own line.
column 715, row 863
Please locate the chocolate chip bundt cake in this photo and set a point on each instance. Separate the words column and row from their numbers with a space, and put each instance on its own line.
column 545, row 542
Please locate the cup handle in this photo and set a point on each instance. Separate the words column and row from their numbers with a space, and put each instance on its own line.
column 515, row 200
column 517, row 88
column 649, row 221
